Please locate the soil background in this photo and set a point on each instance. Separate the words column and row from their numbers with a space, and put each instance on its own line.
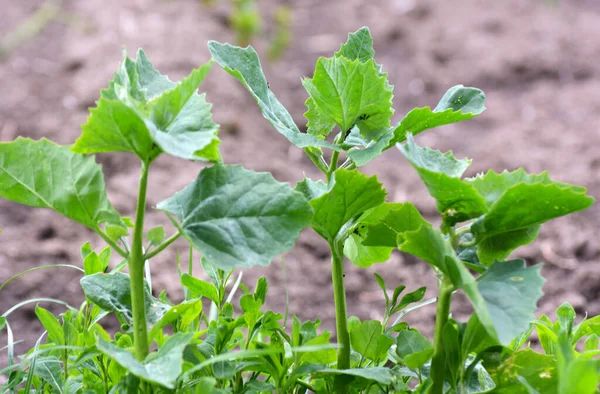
column 536, row 60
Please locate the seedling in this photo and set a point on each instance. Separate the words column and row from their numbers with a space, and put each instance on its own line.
column 240, row 218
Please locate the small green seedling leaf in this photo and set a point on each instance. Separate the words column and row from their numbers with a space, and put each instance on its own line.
column 51, row 324
column 351, row 93
column 368, row 339
column 93, row 265
column 244, row 65
column 413, row 349
column 163, row 368
column 359, row 46
column 350, row 195
column 49, row 370
column 156, row 235
column 45, row 175
column 410, row 298
column 376, row 374
column 456, row 200
column 201, row 288
column 237, row 217
column 537, row 369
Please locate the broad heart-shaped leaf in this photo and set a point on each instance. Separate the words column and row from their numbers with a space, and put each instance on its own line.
column 351, row 93
column 112, row 293
column 351, row 194
column 456, row 200
column 45, row 175
column 525, row 205
column 162, row 368
column 244, row 65
column 237, row 217
column 181, row 122
column 368, row 339
column 458, row 104
column 510, row 292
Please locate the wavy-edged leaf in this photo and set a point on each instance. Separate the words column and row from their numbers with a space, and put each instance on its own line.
column 458, row 103
column 162, row 368
column 244, row 65
column 456, row 200
column 318, row 123
column 237, row 217
column 350, row 194
column 359, row 46
column 352, row 93
column 46, row 175
column 181, row 122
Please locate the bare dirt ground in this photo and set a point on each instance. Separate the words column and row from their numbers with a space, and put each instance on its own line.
column 537, row 61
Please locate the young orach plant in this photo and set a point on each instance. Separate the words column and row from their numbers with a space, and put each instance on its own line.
column 239, row 218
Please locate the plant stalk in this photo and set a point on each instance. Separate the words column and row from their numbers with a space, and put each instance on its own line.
column 339, row 295
column 438, row 362
column 136, row 272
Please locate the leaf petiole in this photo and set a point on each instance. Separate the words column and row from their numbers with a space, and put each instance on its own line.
column 162, row 246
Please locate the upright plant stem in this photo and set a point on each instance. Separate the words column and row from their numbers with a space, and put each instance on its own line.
column 341, row 319
column 438, row 363
column 136, row 272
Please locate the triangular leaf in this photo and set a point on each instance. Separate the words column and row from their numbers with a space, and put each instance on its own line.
column 358, row 47
column 43, row 174
column 352, row 93
column 237, row 217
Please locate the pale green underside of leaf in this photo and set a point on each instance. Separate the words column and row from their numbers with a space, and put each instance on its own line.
column 177, row 120
column 440, row 172
column 164, row 368
column 350, row 195
column 244, row 65
column 351, row 93
column 43, row 174
column 458, row 103
column 237, row 217
column 365, row 256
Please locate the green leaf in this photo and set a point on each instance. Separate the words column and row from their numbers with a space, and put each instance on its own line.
column 51, row 324
column 114, row 127
column 454, row 359
column 2, row 323
column 320, row 356
column 458, row 103
column 350, row 195
column 370, row 150
column 237, row 217
column 45, row 175
column 369, row 340
column 163, row 368
column 538, row 370
column 410, row 298
column 510, row 292
column 319, row 124
column 49, row 369
column 244, row 65
column 352, row 93
column 498, row 247
column 384, row 222
column 156, row 235
column 476, row 338
column 311, row 189
column 380, row 375
column 358, row 47
column 93, row 265
column 181, row 121
column 201, row 288
column 525, row 205
column 413, row 348
column 112, row 293
column 365, row 256
column 456, row 200
column 191, row 307
column 479, row 381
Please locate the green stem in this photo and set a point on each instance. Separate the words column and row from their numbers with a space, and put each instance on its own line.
column 438, row 362
column 111, row 243
column 136, row 272
column 162, row 246
column 339, row 295
column 334, row 164
column 317, row 160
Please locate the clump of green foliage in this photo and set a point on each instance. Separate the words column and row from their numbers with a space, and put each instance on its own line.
column 240, row 218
